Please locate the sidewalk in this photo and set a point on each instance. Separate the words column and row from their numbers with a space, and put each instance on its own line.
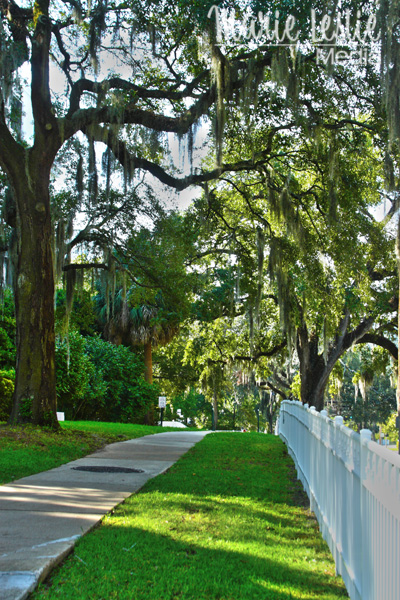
column 42, row 516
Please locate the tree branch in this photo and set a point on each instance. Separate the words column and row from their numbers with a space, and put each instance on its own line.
column 116, row 83
column 131, row 162
column 380, row 340
column 268, row 353
column 80, row 266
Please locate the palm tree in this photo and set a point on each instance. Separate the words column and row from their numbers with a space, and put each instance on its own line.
column 147, row 325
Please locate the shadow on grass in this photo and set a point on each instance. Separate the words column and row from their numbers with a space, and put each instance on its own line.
column 129, row 563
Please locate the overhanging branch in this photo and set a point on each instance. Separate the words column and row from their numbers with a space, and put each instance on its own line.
column 262, row 353
column 131, row 162
column 81, row 266
column 380, row 340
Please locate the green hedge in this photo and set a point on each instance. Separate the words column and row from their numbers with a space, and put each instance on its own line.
column 99, row 381
column 6, row 393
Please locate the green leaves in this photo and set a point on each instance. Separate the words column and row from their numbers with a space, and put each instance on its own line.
column 97, row 380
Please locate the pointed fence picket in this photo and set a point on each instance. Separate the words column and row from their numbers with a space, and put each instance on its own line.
column 354, row 489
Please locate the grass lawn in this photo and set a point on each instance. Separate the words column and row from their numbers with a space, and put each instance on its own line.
column 227, row 521
column 25, row 450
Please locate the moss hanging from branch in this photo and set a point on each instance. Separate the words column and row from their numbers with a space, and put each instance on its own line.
column 284, row 207
column 220, row 76
column 107, row 162
column 105, row 291
column 253, row 76
column 12, row 259
column 70, row 276
column 13, row 54
column 325, row 340
column 191, row 138
column 334, row 174
column 93, row 176
column 237, row 281
column 390, row 63
column 251, row 330
column 98, row 26
column 279, row 274
column 260, row 243
column 113, row 281
column 79, row 175
column 80, row 279
column 280, row 67
column 59, row 249
column 390, row 182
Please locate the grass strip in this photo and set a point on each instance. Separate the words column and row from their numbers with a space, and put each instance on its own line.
column 226, row 522
column 26, row 450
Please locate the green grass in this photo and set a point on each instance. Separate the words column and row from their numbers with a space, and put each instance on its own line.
column 25, row 450
column 226, row 522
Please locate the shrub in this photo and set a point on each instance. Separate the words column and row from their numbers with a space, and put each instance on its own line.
column 6, row 392
column 127, row 396
column 100, row 381
column 7, row 331
column 73, row 373
column 390, row 429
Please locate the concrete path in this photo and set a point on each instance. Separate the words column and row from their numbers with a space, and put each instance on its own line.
column 43, row 515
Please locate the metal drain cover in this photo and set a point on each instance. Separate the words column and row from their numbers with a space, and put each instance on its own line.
column 108, row 469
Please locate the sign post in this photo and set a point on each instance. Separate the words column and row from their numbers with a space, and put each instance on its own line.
column 162, row 403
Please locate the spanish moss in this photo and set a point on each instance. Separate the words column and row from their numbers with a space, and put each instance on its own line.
column 260, row 241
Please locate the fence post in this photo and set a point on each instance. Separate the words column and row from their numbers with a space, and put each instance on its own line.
column 367, row 588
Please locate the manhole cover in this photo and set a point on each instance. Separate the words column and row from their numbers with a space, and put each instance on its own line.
column 108, row 469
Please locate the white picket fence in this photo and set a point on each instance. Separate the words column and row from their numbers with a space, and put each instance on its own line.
column 354, row 490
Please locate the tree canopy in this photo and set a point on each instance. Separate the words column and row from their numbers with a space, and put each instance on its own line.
column 300, row 148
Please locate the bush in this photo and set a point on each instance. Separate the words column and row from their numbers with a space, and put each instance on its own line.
column 74, row 372
column 127, row 397
column 390, row 429
column 6, row 393
column 7, row 331
column 99, row 381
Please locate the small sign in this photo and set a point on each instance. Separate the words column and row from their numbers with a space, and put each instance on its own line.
column 162, row 401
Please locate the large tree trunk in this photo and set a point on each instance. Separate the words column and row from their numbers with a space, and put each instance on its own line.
column 29, row 175
column 215, row 410
column 313, row 372
column 35, row 390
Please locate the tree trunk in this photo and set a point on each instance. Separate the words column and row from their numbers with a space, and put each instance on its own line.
column 313, row 372
column 148, row 375
column 148, row 362
column 29, row 176
column 35, row 389
column 215, row 411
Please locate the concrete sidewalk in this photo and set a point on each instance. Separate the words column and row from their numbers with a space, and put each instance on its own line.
column 43, row 515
